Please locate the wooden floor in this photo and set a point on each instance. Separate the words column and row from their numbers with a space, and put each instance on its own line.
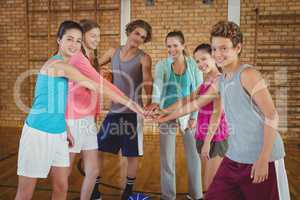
column 112, row 175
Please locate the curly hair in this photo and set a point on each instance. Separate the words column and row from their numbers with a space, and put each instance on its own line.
column 229, row 30
column 140, row 24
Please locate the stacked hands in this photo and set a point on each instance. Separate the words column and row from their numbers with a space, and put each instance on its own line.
column 151, row 112
column 155, row 113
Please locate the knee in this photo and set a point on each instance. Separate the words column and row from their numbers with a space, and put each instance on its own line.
column 60, row 187
column 24, row 193
column 92, row 172
column 132, row 163
column 70, row 171
column 132, row 160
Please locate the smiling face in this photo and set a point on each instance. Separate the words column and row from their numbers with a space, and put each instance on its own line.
column 70, row 43
column 204, row 61
column 175, row 47
column 137, row 37
column 92, row 38
column 223, row 51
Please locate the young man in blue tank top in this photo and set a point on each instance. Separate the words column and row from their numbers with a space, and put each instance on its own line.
column 253, row 167
column 131, row 71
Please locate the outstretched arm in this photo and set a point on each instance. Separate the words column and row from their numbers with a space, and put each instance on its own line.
column 63, row 69
column 200, row 101
column 147, row 76
column 157, row 87
column 80, row 62
column 181, row 102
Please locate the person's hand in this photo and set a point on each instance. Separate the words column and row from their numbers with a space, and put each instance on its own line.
column 192, row 123
column 70, row 140
column 259, row 171
column 139, row 110
column 150, row 109
column 160, row 116
column 205, row 151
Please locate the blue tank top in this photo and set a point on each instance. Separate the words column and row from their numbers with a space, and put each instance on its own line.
column 49, row 105
column 245, row 122
column 177, row 87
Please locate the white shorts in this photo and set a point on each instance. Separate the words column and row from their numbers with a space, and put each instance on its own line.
column 39, row 151
column 84, row 132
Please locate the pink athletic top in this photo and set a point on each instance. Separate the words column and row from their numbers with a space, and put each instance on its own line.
column 204, row 115
column 81, row 101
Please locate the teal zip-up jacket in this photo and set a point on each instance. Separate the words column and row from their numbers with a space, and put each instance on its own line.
column 163, row 70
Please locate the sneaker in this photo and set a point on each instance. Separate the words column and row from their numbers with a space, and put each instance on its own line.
column 190, row 198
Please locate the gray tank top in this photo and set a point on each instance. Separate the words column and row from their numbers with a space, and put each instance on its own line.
column 245, row 122
column 128, row 77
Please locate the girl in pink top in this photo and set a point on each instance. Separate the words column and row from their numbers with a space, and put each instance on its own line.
column 83, row 106
column 212, row 130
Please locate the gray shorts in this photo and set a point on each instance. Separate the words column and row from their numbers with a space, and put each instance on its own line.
column 216, row 148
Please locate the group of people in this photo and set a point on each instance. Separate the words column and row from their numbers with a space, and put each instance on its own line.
column 221, row 107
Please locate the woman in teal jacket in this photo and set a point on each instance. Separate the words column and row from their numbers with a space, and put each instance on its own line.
column 176, row 77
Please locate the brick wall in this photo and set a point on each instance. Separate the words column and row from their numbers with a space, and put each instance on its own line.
column 37, row 33
column 191, row 16
column 277, row 54
column 12, row 57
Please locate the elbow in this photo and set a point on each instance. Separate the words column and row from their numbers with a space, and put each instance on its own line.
column 272, row 114
column 272, row 118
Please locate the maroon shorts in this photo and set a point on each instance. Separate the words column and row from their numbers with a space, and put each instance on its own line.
column 232, row 181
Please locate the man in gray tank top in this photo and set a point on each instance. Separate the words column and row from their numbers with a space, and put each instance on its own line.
column 253, row 167
column 131, row 72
